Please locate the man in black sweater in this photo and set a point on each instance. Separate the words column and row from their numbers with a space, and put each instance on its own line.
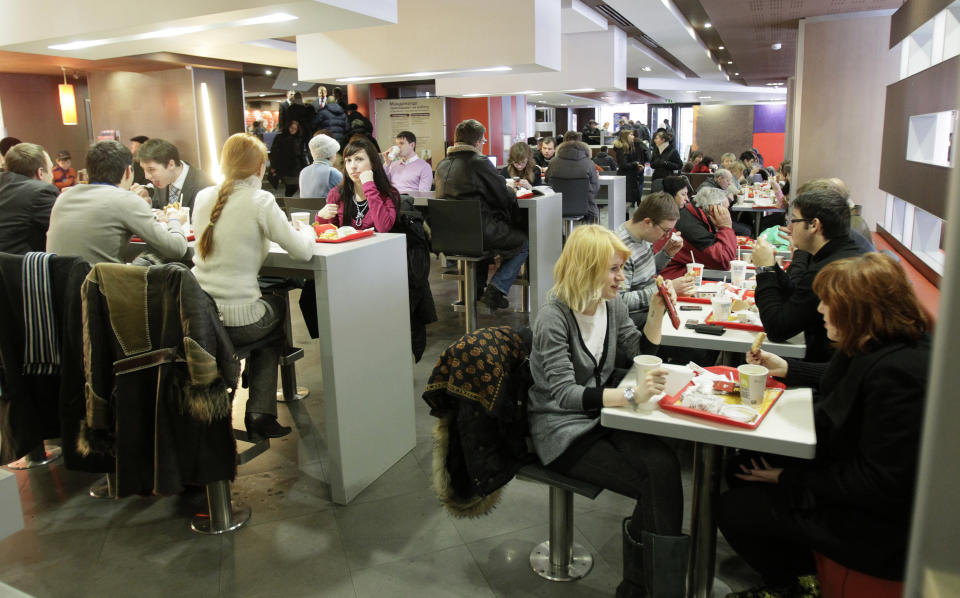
column 819, row 223
column 27, row 195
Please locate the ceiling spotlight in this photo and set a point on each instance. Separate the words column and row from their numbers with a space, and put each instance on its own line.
column 736, row 74
column 693, row 91
column 705, row 97
column 776, row 46
column 262, row 94
column 268, row 72
column 707, row 25
column 646, row 69
column 294, row 84
column 729, row 62
column 721, row 48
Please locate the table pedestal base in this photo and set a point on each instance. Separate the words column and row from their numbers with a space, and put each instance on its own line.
column 35, row 458
column 703, row 528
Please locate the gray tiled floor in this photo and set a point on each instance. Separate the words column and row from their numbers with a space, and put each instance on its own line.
column 394, row 539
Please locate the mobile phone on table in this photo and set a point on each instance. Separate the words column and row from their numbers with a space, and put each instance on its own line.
column 689, row 308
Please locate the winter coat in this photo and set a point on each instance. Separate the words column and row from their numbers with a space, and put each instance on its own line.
column 332, row 118
column 665, row 163
column 287, row 156
column 478, row 392
column 467, row 174
column 159, row 374
column 572, row 161
column 629, row 164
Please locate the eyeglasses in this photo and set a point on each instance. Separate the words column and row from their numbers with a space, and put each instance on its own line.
column 796, row 220
column 666, row 231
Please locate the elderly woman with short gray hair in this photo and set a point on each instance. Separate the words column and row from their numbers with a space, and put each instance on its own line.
column 708, row 234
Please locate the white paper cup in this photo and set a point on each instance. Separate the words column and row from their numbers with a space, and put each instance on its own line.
column 721, row 308
column 301, row 218
column 645, row 363
column 738, row 272
column 696, row 271
column 753, row 384
column 747, row 256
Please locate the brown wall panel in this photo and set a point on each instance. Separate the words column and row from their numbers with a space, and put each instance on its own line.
column 720, row 129
column 911, row 15
column 31, row 112
column 931, row 90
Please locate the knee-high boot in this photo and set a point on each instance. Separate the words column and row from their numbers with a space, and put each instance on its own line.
column 655, row 567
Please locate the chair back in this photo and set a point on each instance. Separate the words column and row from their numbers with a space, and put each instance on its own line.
column 456, row 226
column 697, row 178
column 303, row 204
column 576, row 195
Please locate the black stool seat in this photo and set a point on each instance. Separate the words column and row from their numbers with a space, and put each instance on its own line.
column 539, row 473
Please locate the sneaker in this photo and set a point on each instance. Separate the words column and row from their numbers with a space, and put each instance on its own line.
column 494, row 299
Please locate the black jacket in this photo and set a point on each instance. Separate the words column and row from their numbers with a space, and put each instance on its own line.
column 359, row 123
column 158, row 366
column 481, row 434
column 572, row 161
column 467, row 174
column 605, row 161
column 286, row 154
column 540, row 160
column 332, row 118
column 666, row 163
column 29, row 405
column 25, row 204
column 787, row 303
column 856, row 497
column 195, row 180
column 630, row 165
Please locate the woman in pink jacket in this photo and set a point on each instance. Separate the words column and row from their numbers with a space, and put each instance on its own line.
column 365, row 198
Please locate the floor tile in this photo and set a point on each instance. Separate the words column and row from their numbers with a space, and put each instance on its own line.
column 282, row 493
column 446, row 573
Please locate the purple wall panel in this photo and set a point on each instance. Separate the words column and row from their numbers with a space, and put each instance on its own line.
column 770, row 118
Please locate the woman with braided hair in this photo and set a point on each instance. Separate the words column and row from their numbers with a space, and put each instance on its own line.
column 236, row 221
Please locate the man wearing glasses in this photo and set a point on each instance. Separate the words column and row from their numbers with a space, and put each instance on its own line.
column 819, row 224
column 652, row 221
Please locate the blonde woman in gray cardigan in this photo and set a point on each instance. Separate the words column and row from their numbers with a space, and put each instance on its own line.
column 579, row 337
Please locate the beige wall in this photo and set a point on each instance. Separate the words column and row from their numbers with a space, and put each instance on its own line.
column 843, row 68
column 31, row 112
column 157, row 104
column 721, row 129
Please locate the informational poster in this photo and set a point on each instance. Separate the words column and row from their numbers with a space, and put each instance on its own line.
column 424, row 117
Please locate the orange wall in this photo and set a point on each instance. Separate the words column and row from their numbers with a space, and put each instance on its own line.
column 460, row 109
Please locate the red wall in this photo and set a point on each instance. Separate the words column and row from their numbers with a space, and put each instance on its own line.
column 460, row 109
column 771, row 146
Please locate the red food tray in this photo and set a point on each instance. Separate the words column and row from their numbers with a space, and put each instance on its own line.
column 774, row 391
column 733, row 325
column 357, row 235
column 703, row 300
column 190, row 237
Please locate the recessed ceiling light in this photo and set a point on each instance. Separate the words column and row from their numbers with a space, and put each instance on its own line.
column 294, row 84
column 729, row 62
column 707, row 25
column 776, row 46
column 721, row 48
column 693, row 91
column 736, row 74
column 262, row 94
column 646, row 69
column 705, row 97
column 268, row 71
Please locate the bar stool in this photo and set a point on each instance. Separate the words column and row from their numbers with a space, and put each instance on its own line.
column 576, row 203
column 560, row 558
column 457, row 232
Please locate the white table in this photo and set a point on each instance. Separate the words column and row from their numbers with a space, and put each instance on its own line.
column 616, row 199
column 757, row 211
column 732, row 340
column 365, row 355
column 788, row 429
column 544, row 227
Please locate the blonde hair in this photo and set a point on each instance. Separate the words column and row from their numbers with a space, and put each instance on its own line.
column 242, row 156
column 737, row 169
column 623, row 140
column 581, row 271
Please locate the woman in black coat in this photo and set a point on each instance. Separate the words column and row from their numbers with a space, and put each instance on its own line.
column 629, row 164
column 287, row 158
column 853, row 502
column 665, row 160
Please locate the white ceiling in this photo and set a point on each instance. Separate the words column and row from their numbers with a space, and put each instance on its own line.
column 221, row 35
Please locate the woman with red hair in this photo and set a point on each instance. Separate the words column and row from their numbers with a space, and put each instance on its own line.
column 852, row 503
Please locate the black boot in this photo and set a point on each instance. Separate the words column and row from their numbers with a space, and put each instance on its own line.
column 632, row 585
column 665, row 564
column 264, row 425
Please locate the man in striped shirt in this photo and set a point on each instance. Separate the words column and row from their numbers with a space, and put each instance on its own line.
column 653, row 220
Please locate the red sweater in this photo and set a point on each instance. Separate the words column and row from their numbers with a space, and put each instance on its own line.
column 712, row 247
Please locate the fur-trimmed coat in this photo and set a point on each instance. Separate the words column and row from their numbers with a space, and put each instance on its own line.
column 158, row 372
column 478, row 392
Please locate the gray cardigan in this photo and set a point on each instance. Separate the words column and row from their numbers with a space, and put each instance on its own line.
column 567, row 392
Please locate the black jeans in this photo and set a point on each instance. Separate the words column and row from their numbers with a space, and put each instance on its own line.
column 758, row 523
column 262, row 364
column 641, row 467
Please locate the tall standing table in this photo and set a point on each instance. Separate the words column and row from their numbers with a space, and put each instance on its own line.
column 364, row 321
column 616, row 200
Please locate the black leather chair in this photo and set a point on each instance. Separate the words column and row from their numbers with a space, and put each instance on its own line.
column 560, row 558
column 303, row 204
column 576, row 200
column 456, row 228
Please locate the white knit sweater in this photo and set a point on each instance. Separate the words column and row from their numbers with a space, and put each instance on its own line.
column 250, row 219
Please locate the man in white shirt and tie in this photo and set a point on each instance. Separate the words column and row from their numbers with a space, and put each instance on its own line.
column 172, row 178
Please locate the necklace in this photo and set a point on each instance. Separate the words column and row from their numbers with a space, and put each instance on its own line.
column 361, row 211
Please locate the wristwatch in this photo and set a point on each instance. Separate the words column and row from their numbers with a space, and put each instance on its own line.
column 629, row 393
column 762, row 269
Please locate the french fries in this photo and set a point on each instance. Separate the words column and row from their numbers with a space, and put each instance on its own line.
column 757, row 342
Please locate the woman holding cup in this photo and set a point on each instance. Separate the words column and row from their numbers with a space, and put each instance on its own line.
column 578, row 338
column 235, row 223
column 853, row 502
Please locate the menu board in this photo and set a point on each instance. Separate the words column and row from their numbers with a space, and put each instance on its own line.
column 424, row 117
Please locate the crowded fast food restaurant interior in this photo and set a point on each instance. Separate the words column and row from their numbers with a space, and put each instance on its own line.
column 634, row 298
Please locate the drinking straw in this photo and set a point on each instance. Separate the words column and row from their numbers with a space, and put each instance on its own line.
column 692, row 259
